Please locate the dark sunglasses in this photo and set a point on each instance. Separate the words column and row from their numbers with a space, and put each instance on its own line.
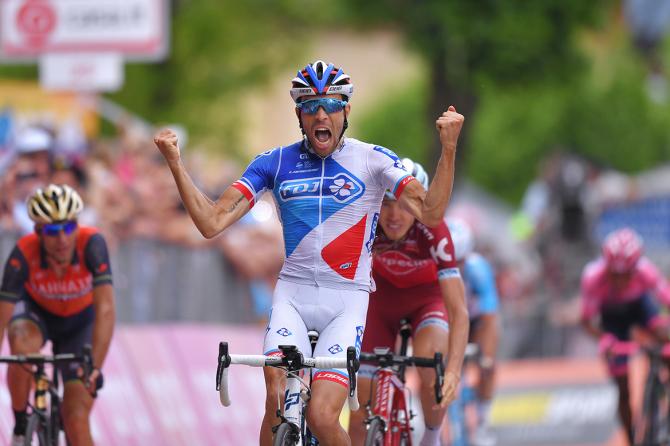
column 53, row 229
column 330, row 105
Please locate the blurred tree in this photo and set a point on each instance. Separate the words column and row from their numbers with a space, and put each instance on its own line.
column 219, row 51
column 468, row 44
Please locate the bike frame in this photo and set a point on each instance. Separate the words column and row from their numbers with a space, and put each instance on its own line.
column 48, row 410
column 391, row 402
column 391, row 406
column 297, row 392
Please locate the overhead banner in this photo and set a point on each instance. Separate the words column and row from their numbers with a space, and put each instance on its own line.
column 137, row 29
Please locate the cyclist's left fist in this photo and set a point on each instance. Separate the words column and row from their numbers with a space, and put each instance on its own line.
column 449, row 388
column 449, row 125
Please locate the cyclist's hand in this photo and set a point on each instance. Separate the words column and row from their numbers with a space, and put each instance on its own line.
column 166, row 141
column 449, row 125
column 95, row 380
column 449, row 388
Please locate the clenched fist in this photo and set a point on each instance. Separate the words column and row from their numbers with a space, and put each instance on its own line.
column 449, row 125
column 166, row 141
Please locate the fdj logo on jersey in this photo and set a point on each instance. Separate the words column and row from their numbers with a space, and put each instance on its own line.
column 341, row 188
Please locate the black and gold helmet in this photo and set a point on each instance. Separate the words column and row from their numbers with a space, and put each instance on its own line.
column 54, row 203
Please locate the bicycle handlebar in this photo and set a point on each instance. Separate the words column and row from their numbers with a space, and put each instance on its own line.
column 292, row 363
column 384, row 358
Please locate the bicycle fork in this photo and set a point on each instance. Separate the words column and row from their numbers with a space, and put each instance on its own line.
column 295, row 398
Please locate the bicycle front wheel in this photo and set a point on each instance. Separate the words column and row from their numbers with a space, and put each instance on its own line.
column 35, row 435
column 375, row 435
column 286, row 435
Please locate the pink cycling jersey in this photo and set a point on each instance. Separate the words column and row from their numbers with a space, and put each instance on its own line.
column 598, row 290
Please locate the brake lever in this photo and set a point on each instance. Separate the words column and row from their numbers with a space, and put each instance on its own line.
column 87, row 368
column 439, row 377
column 223, row 363
column 352, row 367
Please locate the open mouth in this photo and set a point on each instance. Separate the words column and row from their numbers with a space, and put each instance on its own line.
column 322, row 135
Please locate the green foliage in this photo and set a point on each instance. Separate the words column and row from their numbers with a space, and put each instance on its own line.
column 398, row 123
column 220, row 50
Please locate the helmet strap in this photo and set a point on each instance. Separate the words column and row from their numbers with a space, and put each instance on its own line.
column 344, row 126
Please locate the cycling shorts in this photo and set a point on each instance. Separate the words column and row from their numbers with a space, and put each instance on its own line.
column 385, row 313
column 619, row 319
column 67, row 334
column 337, row 315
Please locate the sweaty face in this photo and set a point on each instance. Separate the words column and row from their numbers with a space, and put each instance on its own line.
column 394, row 220
column 323, row 129
column 59, row 247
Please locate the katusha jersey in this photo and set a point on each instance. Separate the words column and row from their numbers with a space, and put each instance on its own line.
column 417, row 261
column 27, row 274
column 328, row 207
column 598, row 291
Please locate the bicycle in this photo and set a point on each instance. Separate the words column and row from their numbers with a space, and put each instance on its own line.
column 388, row 420
column 652, row 427
column 293, row 430
column 459, row 431
column 44, row 421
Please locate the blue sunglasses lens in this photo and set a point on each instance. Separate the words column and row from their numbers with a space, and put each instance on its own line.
column 53, row 229
column 330, row 105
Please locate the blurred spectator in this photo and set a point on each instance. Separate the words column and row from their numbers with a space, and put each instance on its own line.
column 649, row 21
column 31, row 169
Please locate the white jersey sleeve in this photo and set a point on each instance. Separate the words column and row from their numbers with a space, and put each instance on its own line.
column 385, row 166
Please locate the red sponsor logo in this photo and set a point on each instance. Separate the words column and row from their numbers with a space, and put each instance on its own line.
column 334, row 377
column 15, row 263
column 36, row 19
column 102, row 268
column 400, row 263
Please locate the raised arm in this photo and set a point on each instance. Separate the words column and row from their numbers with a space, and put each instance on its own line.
column 429, row 206
column 210, row 217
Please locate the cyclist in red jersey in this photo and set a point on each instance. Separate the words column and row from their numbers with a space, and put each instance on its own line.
column 620, row 290
column 416, row 277
column 57, row 286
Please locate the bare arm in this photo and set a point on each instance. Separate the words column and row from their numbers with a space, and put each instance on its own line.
column 453, row 293
column 103, row 327
column 6, row 310
column 210, row 217
column 429, row 206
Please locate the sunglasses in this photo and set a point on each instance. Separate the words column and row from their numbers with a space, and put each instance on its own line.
column 330, row 105
column 53, row 229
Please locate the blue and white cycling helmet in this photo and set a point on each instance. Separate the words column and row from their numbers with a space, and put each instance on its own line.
column 417, row 171
column 461, row 236
column 321, row 78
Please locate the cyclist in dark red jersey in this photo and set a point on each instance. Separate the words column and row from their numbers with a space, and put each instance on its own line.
column 57, row 286
column 416, row 277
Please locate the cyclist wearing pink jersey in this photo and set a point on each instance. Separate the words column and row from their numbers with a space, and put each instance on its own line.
column 620, row 290
column 417, row 278
column 328, row 190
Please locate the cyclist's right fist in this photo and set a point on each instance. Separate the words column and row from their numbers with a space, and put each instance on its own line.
column 166, row 141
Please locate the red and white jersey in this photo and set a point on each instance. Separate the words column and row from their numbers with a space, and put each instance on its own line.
column 420, row 259
column 328, row 207
column 597, row 289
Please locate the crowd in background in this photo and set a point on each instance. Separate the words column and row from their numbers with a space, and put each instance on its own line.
column 165, row 270
column 130, row 196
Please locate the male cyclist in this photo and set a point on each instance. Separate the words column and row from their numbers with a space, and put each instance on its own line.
column 416, row 277
column 482, row 301
column 328, row 190
column 622, row 289
column 57, row 286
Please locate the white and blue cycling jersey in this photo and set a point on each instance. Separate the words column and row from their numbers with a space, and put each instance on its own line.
column 329, row 207
column 480, row 286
